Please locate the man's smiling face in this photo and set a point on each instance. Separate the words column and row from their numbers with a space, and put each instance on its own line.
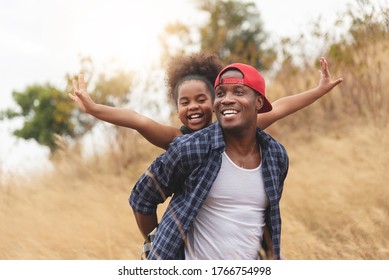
column 235, row 104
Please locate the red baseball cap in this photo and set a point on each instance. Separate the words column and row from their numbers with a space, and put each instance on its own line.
column 251, row 78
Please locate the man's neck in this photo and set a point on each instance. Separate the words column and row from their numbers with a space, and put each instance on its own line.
column 244, row 151
column 240, row 143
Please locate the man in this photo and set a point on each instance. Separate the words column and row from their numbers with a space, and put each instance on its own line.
column 227, row 180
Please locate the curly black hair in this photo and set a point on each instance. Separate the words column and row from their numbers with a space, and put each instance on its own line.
column 201, row 66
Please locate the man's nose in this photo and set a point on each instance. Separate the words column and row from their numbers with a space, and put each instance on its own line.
column 228, row 97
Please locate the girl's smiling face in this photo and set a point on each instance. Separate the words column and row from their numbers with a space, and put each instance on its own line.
column 194, row 105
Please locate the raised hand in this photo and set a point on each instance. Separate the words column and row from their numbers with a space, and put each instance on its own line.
column 326, row 83
column 80, row 95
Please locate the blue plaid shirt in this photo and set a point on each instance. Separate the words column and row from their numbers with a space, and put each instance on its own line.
column 187, row 171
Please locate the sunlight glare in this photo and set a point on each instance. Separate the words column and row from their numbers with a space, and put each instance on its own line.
column 130, row 34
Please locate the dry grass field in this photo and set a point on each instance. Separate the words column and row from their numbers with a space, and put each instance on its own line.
column 335, row 200
column 334, row 204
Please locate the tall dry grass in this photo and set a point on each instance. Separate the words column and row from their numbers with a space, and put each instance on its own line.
column 334, row 204
column 335, row 199
column 77, row 211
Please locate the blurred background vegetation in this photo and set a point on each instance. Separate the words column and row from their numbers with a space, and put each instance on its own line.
column 234, row 31
column 334, row 203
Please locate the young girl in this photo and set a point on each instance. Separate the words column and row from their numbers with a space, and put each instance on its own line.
column 190, row 82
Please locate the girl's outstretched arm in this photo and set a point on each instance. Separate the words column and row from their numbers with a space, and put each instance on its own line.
column 157, row 134
column 291, row 104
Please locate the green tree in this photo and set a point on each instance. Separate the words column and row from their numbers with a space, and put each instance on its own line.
column 233, row 30
column 47, row 111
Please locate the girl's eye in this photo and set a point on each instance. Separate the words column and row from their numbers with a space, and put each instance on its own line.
column 184, row 103
column 202, row 100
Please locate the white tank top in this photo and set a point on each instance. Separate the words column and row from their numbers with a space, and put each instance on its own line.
column 229, row 224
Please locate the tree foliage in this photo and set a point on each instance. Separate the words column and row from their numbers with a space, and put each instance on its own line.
column 232, row 29
column 235, row 32
column 47, row 111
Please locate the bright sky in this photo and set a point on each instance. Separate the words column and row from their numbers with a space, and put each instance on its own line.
column 41, row 40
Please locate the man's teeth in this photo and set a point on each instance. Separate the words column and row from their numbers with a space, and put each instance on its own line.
column 229, row 112
column 195, row 116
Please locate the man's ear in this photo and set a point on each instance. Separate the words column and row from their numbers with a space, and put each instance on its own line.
column 259, row 102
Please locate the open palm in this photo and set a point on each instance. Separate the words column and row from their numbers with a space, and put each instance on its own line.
column 80, row 95
column 326, row 82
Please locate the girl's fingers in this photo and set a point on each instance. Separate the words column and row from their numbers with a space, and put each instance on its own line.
column 81, row 82
column 72, row 97
column 74, row 84
column 324, row 67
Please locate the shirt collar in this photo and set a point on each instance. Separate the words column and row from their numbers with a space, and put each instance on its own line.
column 217, row 140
